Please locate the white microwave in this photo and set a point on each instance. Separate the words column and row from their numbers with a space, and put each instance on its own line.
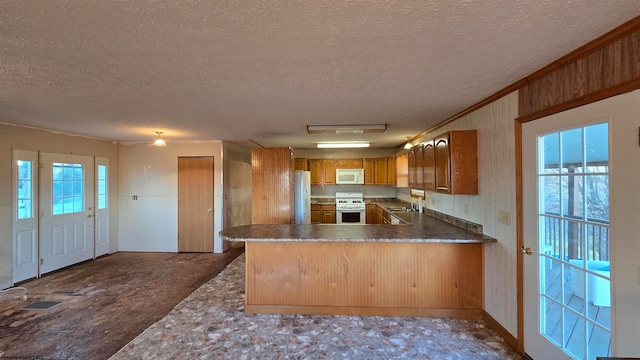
column 349, row 176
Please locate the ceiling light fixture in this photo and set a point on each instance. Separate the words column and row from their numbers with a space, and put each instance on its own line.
column 346, row 129
column 339, row 145
column 408, row 146
column 159, row 141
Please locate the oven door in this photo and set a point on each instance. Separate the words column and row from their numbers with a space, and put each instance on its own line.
column 351, row 217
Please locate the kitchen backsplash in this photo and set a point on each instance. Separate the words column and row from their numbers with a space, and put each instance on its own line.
column 367, row 190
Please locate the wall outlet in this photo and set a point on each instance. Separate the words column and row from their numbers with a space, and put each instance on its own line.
column 504, row 217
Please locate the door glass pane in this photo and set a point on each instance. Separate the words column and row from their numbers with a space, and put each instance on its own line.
column 574, row 241
column 550, row 154
column 102, row 186
column 571, row 151
column 25, row 189
column 596, row 141
column 68, row 188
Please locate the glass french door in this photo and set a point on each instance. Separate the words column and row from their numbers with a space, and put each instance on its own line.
column 567, row 232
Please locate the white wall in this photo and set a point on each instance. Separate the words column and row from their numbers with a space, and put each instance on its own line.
column 497, row 191
column 151, row 222
column 30, row 139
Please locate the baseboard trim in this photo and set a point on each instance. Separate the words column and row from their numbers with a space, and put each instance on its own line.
column 364, row 311
column 506, row 335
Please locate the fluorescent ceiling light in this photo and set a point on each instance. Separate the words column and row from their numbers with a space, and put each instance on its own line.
column 343, row 145
column 346, row 129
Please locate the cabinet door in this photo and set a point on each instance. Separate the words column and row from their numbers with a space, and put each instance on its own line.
column 329, row 172
column 368, row 171
column 429, row 166
column 402, row 171
column 443, row 174
column 463, row 162
column 381, row 171
column 419, row 167
column 316, row 214
column 391, row 170
column 328, row 214
column 348, row 163
column 301, row 164
column 316, row 166
column 372, row 214
column 411, row 163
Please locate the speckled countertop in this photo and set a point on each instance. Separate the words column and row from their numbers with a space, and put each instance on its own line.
column 417, row 227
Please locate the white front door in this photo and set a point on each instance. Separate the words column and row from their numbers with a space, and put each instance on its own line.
column 66, row 210
column 25, row 215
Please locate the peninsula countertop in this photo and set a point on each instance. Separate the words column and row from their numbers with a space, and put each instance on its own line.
column 416, row 227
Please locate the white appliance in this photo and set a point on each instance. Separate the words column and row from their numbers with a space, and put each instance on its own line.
column 302, row 197
column 349, row 176
column 350, row 208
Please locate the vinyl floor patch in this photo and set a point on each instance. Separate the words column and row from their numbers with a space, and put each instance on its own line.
column 42, row 305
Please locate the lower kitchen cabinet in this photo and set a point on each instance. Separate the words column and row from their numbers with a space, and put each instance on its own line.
column 372, row 214
column 328, row 214
column 316, row 214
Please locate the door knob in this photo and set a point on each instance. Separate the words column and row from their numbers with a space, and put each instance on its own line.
column 209, row 210
column 89, row 215
column 526, row 250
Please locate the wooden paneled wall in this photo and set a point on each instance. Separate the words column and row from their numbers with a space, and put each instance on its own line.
column 272, row 186
column 365, row 278
column 591, row 73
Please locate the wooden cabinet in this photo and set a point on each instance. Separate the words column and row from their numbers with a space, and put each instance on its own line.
column 456, row 162
column 411, row 164
column 272, row 186
column 402, row 170
column 328, row 214
column 367, row 165
column 429, row 164
column 380, row 174
column 316, row 213
column 323, row 213
column 372, row 214
column 419, row 167
column 391, row 171
column 301, row 164
column 329, row 172
column 349, row 163
column 316, row 166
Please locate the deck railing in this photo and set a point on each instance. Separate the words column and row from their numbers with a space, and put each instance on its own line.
column 597, row 239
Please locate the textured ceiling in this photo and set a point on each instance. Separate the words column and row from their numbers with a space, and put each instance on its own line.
column 241, row 70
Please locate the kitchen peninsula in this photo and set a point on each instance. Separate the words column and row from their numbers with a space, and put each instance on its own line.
column 424, row 267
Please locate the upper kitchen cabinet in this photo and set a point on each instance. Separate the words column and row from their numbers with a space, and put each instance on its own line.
column 411, row 165
column 316, row 166
column 429, row 168
column 391, row 170
column 329, row 172
column 349, row 164
column 301, row 164
column 323, row 171
column 380, row 173
column 272, row 186
column 368, row 165
column 402, row 170
column 419, row 165
column 456, row 162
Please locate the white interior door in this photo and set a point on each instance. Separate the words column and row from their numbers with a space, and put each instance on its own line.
column 102, row 207
column 25, row 219
column 66, row 210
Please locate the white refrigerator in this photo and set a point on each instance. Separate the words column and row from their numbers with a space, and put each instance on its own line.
column 302, row 197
